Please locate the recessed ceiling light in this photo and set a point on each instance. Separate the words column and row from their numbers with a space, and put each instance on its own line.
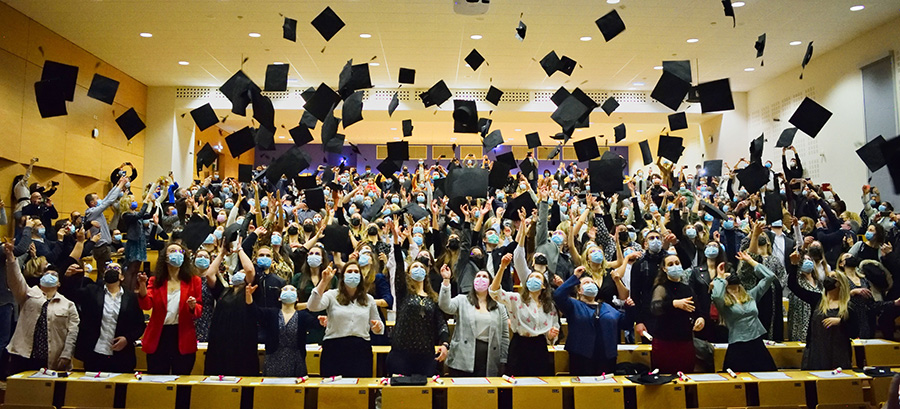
column 255, row 35
column 365, row 35
column 393, row 129
column 692, row 40
column 518, row 130
column 396, row 138
column 146, row 35
column 476, row 36
column 631, row 88
column 612, row 1
column 640, row 130
column 510, row 139
column 468, row 66
column 183, row 63
column 857, row 7
column 749, row 69
column 638, row 84
column 658, row 67
column 796, row 42
column 277, row 63
column 374, row 64
column 585, row 38
column 737, row 4
column 578, row 130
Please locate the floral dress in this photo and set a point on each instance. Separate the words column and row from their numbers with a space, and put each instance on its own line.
column 799, row 311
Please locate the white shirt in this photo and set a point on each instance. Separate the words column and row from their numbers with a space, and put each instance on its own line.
column 111, row 305
column 483, row 322
column 778, row 249
column 527, row 320
column 172, row 301
column 351, row 320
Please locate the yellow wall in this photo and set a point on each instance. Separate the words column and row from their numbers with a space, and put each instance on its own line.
column 67, row 152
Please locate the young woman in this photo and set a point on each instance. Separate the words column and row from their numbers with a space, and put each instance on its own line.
column 232, row 330
column 481, row 319
column 771, row 308
column 798, row 310
column 352, row 314
column 676, row 319
column 211, row 288
column 174, row 297
column 284, row 334
column 746, row 349
column 872, row 248
column 593, row 325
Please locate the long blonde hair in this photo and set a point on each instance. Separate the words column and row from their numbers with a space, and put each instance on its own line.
column 742, row 297
column 586, row 261
column 843, row 297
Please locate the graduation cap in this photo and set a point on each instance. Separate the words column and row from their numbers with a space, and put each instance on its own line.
column 760, row 46
column 670, row 90
column 493, row 140
column 289, row 29
column 586, row 149
column 263, row 111
column 610, row 25
column 305, row 182
column 507, row 158
column 301, row 135
column 554, row 152
column 337, row 238
column 407, row 76
column 264, row 138
column 65, row 75
column 772, row 206
column 879, row 371
column 527, row 166
column 606, row 174
column 872, row 154
column 678, row 121
column 712, row 167
column 463, row 182
column 620, row 132
column 465, row 116
column 322, row 102
column 388, row 167
column 245, row 173
column 550, row 63
column 715, row 96
column 484, row 126
column 407, row 127
column 754, row 176
column 786, row 138
column 588, row 102
column 103, row 89
column 277, row 77
column 681, row 69
column 806, row 58
column 645, row 152
column 333, row 142
column 195, row 232
column 499, row 175
column 373, row 211
column 670, row 147
column 314, row 198
column 353, row 78
column 398, row 150
column 307, row 94
column 130, row 123
column 436, row 95
column 609, row 106
column 520, row 31
column 559, row 96
column 566, row 65
column 729, row 11
column 395, row 102
column 240, row 141
column 416, row 211
column 231, row 232
column 810, row 117
column 891, row 149
column 474, row 59
column 238, row 89
column 289, row 164
column 206, row 156
column 51, row 98
column 493, row 95
column 204, row 116
column 327, row 23
column 756, row 148
column 713, row 210
column 569, row 112
column 308, row 120
column 351, row 111
column 522, row 201
column 534, row 140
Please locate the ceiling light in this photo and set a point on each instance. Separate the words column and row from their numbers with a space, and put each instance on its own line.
column 857, row 8
column 277, row 63
column 396, row 138
column 374, row 64
column 146, row 35
column 612, row 1
column 658, row 67
column 692, row 40
column 255, row 35
column 476, row 36
column 585, row 38
column 749, row 69
column 737, row 4
column 365, row 35
column 638, row 84
column 393, row 129
column 518, row 130
column 183, row 63
column 640, row 130
column 796, row 42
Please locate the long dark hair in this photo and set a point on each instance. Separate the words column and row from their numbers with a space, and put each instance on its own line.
column 473, row 297
column 161, row 274
column 361, row 296
column 545, row 296
column 661, row 276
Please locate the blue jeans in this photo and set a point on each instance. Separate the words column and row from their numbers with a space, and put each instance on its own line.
column 6, row 330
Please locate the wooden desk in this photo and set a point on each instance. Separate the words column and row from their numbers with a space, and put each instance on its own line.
column 331, row 396
column 213, row 395
column 668, row 396
column 472, row 396
column 275, row 396
column 150, row 395
column 406, row 397
column 840, row 390
column 22, row 390
column 610, row 394
column 782, row 392
column 877, row 352
column 90, row 393
column 548, row 395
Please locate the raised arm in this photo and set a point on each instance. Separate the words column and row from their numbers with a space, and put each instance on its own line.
column 448, row 305
column 14, row 279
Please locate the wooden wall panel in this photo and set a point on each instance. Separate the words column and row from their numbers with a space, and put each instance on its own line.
column 12, row 90
column 15, row 31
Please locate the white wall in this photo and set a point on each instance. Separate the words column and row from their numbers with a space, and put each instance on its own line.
column 169, row 137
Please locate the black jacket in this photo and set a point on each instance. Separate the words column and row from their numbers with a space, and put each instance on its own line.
column 130, row 325
column 271, row 332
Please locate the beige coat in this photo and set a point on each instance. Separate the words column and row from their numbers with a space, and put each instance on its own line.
column 62, row 319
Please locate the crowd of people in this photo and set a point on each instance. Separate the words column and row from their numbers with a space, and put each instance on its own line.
column 679, row 259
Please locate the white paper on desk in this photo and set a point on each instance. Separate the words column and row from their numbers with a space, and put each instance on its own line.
column 343, row 381
column 279, row 381
column 92, row 376
column 627, row 347
column 593, row 379
column 203, row 345
column 770, row 375
column 829, row 374
column 40, row 374
column 720, row 346
column 225, row 379
column 559, row 347
column 710, row 377
column 874, row 342
column 530, row 381
column 470, row 381
column 313, row 347
column 158, row 378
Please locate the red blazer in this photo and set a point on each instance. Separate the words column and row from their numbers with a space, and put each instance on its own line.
column 156, row 302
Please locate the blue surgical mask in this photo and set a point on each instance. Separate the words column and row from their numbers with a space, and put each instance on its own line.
column 263, row 203
column 201, row 262
column 654, row 245
column 117, row 237
column 500, row 195
column 675, row 272
column 364, row 259
column 49, row 280
column 395, row 200
column 314, row 260
column 417, row 273
column 264, row 262
column 420, row 199
column 367, row 202
column 418, row 240
column 628, row 251
column 563, row 208
column 210, row 239
column 352, row 279
column 882, row 208
column 41, row 231
column 691, row 233
column 632, row 235
column 870, row 235
column 726, row 208
column 728, row 225
column 175, row 259
column 807, row 266
column 711, row 251
column 229, row 205
column 238, row 278
column 276, row 240
column 597, row 256
column 218, row 234
column 493, row 238
column 626, row 211
column 288, row 297
column 590, row 290
column 654, row 209
column 557, row 239
column 708, row 217
column 872, row 203
column 534, row 284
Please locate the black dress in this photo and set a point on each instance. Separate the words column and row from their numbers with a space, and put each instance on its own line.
column 826, row 348
column 232, row 337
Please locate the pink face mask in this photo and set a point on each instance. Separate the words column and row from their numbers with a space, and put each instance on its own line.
column 481, row 284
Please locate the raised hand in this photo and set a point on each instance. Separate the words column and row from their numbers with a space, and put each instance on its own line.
column 445, row 272
column 191, row 302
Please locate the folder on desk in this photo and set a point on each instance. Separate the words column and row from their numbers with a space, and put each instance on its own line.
column 770, row 375
column 157, row 378
column 98, row 376
column 593, row 379
column 707, row 377
column 470, row 381
column 530, row 381
column 221, row 379
column 279, row 381
column 829, row 374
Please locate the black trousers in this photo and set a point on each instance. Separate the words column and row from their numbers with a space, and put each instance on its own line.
column 480, row 368
column 350, row 357
column 407, row 363
column 19, row 364
column 168, row 360
column 597, row 365
column 94, row 362
column 528, row 356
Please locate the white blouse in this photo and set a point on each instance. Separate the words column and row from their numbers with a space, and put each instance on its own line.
column 351, row 320
column 172, row 301
column 527, row 320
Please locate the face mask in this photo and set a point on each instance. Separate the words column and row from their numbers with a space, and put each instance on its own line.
column 418, row 240
column 354, row 221
column 364, row 259
column 420, row 199
column 238, row 279
column 675, row 272
column 41, row 231
column 49, row 280
column 229, row 205
column 654, row 245
column 627, row 252
column 221, row 218
column 111, row 276
column 563, row 208
column 372, row 231
column 728, row 225
column 523, row 186
column 557, row 239
column 783, row 192
column 117, row 237
column 872, row 203
column 71, row 229
column 175, row 259
column 626, row 211
column 708, row 217
column 726, row 208
column 654, row 209
column 453, row 244
column 554, row 186
column 752, row 208
column 201, row 262
column 500, row 195
column 481, row 284
column 263, row 203
column 711, row 251
column 306, row 227
column 367, row 202
column 882, row 208
column 534, row 284
column 632, row 235
column 417, row 273
column 590, row 290
column 264, row 262
column 597, row 256
column 133, row 205
column 210, row 239
column 829, row 283
column 288, row 297
column 395, row 200
column 768, row 165
column 691, row 233
column 540, row 260
column 807, row 266
column 276, row 240
column 418, row 230
column 870, row 235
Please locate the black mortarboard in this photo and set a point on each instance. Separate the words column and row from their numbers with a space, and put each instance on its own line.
column 609, row 106
column 195, row 232
column 314, row 198
column 465, row 116
column 559, row 96
column 499, row 176
column 204, row 116
column 569, row 112
column 395, row 102
column 50, row 97
column 289, row 29
column 130, row 123
column 810, row 117
column 484, row 126
column 103, row 89
column 677, row 121
column 373, row 211
column 407, row 76
column 327, row 23
column 756, row 148
column 760, row 46
column 754, row 177
column 493, row 140
column 351, row 111
column 786, row 138
column 566, row 65
column 206, row 156
column 522, row 201
column 238, row 90
column 462, row 182
column 322, row 102
column 240, row 141
column 416, row 211
column 308, row 120
column 586, row 149
column 712, row 168
column 712, row 209
column 550, row 63
column 891, row 149
column 527, row 166
column 670, row 90
column 554, row 152
column 606, row 174
column 729, row 11
column 584, row 98
column 264, row 111
column 645, row 152
column 307, row 94
column 610, row 25
column 872, row 154
column 277, row 77
column 264, row 137
column 330, row 127
column 520, row 30
column 354, row 78
column 670, row 147
column 388, row 167
column 493, row 95
column 879, row 371
column 474, row 59
column 772, row 206
column 715, row 96
column 620, row 132
column 681, row 69
column 436, row 95
column 290, row 164
column 806, row 58
column 507, row 158
column 301, row 135
column 407, row 127
column 534, row 140
column 245, row 173
column 305, row 182
column 337, row 238
column 231, row 232
column 398, row 150
column 66, row 75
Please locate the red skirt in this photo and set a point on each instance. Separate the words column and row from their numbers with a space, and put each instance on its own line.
column 670, row 357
